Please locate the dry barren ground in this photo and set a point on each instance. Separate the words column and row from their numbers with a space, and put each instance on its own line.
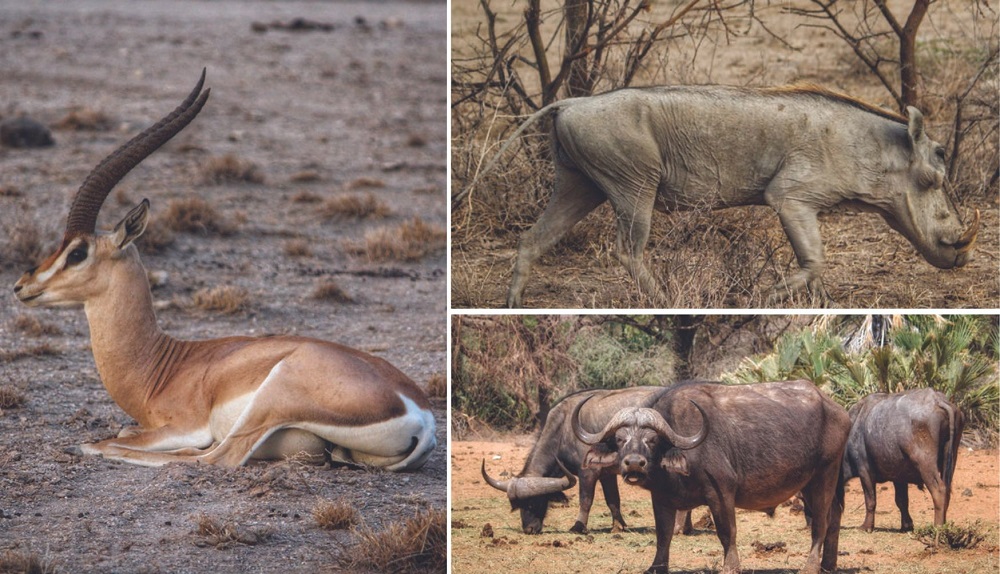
column 308, row 121
column 475, row 504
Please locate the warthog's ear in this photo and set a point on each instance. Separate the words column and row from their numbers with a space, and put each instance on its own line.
column 131, row 227
column 675, row 461
column 600, row 456
column 916, row 123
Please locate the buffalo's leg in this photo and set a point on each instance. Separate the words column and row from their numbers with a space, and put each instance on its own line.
column 801, row 225
column 573, row 198
column 609, row 484
column 938, row 490
column 663, row 518
column 868, row 487
column 832, row 542
column 683, row 524
column 723, row 508
column 820, row 494
column 588, row 483
column 903, row 503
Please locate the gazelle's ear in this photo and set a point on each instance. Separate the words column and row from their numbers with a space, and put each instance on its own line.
column 131, row 227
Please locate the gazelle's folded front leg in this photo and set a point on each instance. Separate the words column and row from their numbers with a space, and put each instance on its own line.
column 165, row 438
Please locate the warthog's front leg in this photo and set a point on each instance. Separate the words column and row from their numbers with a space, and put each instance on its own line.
column 802, row 228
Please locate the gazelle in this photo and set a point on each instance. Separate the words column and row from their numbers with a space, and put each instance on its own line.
column 220, row 401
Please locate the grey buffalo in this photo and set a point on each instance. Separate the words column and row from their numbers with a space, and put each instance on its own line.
column 905, row 438
column 728, row 447
column 799, row 150
column 557, row 455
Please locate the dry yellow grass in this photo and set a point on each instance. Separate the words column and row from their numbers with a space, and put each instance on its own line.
column 410, row 241
column 365, row 206
column 195, row 215
column 330, row 290
column 230, row 169
column 34, row 327
column 224, row 299
column 418, row 544
column 84, row 119
column 335, row 515
column 437, row 386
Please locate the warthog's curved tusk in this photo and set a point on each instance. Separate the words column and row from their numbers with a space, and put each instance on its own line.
column 968, row 239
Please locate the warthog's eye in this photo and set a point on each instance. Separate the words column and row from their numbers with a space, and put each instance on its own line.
column 939, row 152
column 76, row 256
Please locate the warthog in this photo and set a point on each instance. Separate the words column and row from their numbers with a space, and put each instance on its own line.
column 799, row 149
column 905, row 438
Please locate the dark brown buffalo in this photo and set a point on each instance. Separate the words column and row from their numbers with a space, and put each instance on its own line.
column 728, row 447
column 904, row 438
column 557, row 452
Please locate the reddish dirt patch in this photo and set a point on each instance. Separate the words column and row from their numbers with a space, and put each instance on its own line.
column 474, row 503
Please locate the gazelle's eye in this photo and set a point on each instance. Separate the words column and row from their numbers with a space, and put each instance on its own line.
column 76, row 256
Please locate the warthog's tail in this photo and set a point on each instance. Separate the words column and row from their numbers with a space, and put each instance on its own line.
column 553, row 107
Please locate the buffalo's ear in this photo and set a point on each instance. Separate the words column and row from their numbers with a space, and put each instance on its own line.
column 600, row 456
column 675, row 461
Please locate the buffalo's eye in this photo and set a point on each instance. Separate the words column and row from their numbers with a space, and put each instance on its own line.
column 77, row 255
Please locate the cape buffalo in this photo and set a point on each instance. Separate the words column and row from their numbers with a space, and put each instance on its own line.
column 904, row 438
column 557, row 452
column 746, row 446
column 798, row 149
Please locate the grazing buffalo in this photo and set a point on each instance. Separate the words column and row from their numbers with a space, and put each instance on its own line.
column 904, row 438
column 557, row 453
column 798, row 149
column 745, row 446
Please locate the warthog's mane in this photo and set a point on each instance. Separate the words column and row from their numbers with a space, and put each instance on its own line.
column 814, row 90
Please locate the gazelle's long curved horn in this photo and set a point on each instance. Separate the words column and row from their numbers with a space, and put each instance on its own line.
column 91, row 195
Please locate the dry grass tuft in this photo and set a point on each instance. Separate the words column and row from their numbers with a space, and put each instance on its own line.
column 410, row 241
column 365, row 182
column 306, row 197
column 415, row 545
column 23, row 247
column 33, row 327
column 952, row 535
column 416, row 140
column 224, row 299
column 335, row 515
column 306, row 176
column 437, row 386
column 230, row 169
column 297, row 248
column 226, row 534
column 329, row 290
column 157, row 237
column 12, row 562
column 195, row 215
column 10, row 191
column 355, row 207
column 11, row 398
column 43, row 350
column 84, row 119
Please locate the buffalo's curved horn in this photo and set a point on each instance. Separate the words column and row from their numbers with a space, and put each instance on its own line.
column 584, row 436
column 87, row 203
column 660, row 425
column 529, row 486
column 968, row 239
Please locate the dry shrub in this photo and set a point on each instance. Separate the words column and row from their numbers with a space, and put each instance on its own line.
column 297, row 248
column 410, row 241
column 416, row 545
column 33, row 327
column 230, row 169
column 227, row 534
column 12, row 562
column 355, row 207
column 10, row 398
column 43, row 350
column 952, row 535
column 225, row 299
column 157, row 237
column 195, row 215
column 330, row 290
column 306, row 197
column 335, row 515
column 365, row 182
column 306, row 176
column 437, row 386
column 84, row 119
column 23, row 247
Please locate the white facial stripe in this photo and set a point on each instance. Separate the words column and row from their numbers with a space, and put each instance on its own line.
column 60, row 261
